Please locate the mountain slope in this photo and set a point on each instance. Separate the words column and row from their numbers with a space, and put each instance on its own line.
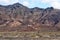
column 17, row 17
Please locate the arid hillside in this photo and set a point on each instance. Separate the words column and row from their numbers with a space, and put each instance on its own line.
column 17, row 17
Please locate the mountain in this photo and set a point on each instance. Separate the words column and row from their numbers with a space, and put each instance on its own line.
column 18, row 17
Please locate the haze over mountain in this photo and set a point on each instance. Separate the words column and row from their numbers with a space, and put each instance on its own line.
column 18, row 17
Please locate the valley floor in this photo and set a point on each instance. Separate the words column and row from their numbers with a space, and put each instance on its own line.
column 29, row 35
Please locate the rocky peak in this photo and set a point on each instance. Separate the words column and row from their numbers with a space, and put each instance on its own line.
column 17, row 5
column 49, row 8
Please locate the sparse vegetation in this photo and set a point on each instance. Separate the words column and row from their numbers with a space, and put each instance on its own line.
column 30, row 35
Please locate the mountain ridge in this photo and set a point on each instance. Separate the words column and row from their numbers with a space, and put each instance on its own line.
column 18, row 17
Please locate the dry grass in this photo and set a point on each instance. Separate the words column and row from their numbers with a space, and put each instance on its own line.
column 31, row 35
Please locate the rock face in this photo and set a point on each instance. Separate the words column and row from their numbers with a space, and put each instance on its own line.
column 17, row 17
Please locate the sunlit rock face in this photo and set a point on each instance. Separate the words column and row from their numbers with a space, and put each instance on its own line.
column 21, row 18
column 14, row 24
